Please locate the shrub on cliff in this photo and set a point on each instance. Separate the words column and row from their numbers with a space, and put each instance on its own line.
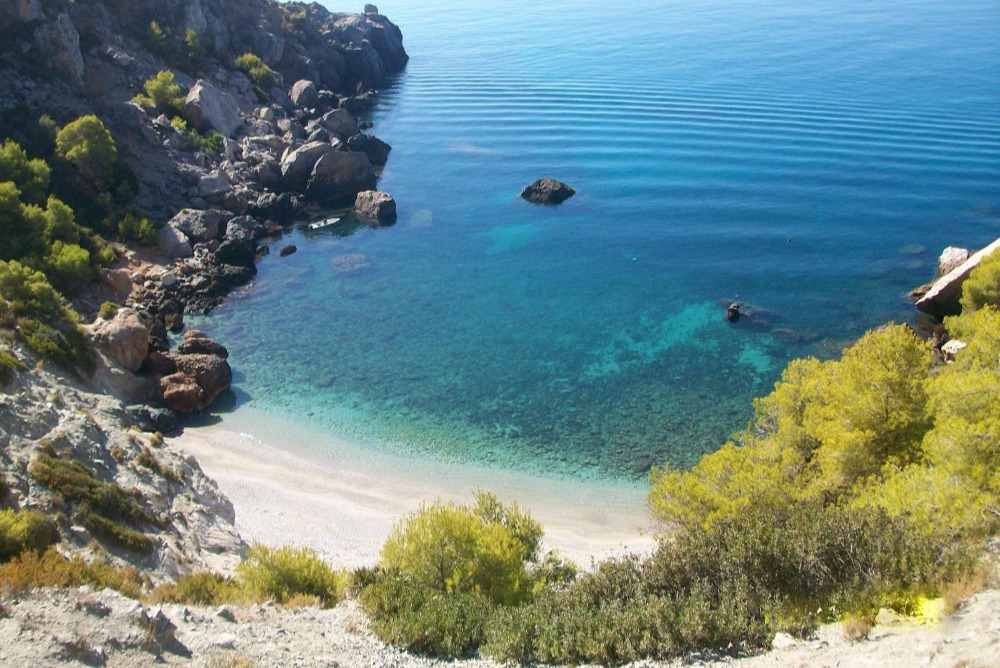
column 983, row 285
column 29, row 176
column 163, row 94
column 22, row 530
column 262, row 76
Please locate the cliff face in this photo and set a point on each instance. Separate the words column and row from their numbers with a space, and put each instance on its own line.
column 68, row 59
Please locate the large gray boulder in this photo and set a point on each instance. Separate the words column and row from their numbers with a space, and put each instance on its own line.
column 340, row 122
column 297, row 165
column 304, row 94
column 373, row 206
column 59, row 41
column 209, row 109
column 951, row 258
column 172, row 243
column 339, row 176
column 944, row 297
column 199, row 226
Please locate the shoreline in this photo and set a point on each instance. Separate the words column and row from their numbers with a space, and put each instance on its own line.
column 291, row 485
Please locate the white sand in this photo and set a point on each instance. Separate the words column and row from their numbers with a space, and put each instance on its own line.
column 294, row 486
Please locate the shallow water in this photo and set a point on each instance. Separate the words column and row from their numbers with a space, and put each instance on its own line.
column 807, row 161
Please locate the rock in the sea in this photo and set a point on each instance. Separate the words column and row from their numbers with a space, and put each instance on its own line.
column 376, row 149
column 733, row 312
column 124, row 338
column 304, row 94
column 339, row 176
column 944, row 296
column 209, row 109
column 285, row 251
column 373, row 206
column 196, row 342
column 547, row 191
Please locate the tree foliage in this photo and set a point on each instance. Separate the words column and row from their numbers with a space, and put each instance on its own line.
column 87, row 145
column 983, row 285
column 29, row 176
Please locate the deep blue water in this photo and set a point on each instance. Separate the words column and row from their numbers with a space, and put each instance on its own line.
column 807, row 159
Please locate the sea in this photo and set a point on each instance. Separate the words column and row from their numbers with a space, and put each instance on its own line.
column 807, row 159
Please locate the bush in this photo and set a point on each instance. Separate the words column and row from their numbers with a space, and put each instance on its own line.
column 163, row 94
column 263, row 77
column 451, row 549
column 983, row 285
column 104, row 508
column 133, row 229
column 284, row 572
column 29, row 293
column 30, row 570
column 22, row 228
column 9, row 365
column 68, row 267
column 108, row 311
column 66, row 345
column 22, row 530
column 30, row 177
column 86, row 144
column 202, row 588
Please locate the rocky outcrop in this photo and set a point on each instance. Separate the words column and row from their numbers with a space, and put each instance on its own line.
column 945, row 294
column 374, row 207
column 297, row 164
column 339, row 176
column 951, row 258
column 124, row 338
column 199, row 226
column 172, row 243
column 340, row 123
column 547, row 191
column 202, row 374
column 304, row 94
column 209, row 109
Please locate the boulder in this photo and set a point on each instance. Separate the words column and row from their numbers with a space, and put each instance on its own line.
column 124, row 338
column 196, row 342
column 547, row 191
column 287, row 250
column 211, row 373
column 339, row 176
column 951, row 257
column 199, row 226
column 340, row 122
column 172, row 243
column 376, row 149
column 950, row 349
column 179, row 392
column 214, row 184
column 239, row 247
column 946, row 293
column 297, row 165
column 150, row 418
column 373, row 206
column 209, row 109
column 304, row 94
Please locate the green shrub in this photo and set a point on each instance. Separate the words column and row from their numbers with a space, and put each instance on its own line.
column 982, row 287
column 451, row 549
column 9, row 365
column 22, row 228
column 68, row 267
column 105, row 508
column 283, row 572
column 156, row 38
column 29, row 293
column 30, row 570
column 66, row 345
column 194, row 48
column 22, row 530
column 202, row 588
column 424, row 620
column 163, row 94
column 29, row 176
column 212, row 142
column 133, row 229
column 108, row 311
column 263, row 77
column 87, row 144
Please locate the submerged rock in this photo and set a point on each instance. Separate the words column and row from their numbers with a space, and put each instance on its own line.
column 547, row 191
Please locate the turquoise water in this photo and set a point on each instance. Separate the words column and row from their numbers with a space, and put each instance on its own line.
column 808, row 160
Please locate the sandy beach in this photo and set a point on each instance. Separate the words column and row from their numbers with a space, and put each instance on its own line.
column 294, row 486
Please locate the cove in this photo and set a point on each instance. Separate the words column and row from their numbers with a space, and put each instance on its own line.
column 806, row 162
